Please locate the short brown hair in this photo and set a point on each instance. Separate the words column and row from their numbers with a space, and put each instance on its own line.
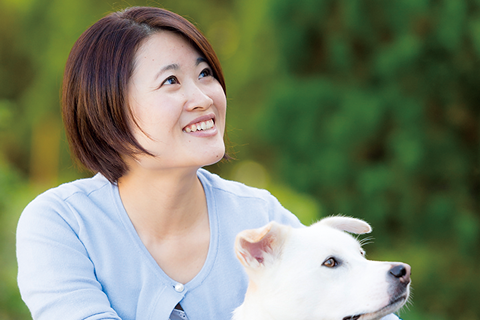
column 94, row 94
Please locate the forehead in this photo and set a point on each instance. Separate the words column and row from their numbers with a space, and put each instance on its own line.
column 163, row 41
column 320, row 238
column 163, row 48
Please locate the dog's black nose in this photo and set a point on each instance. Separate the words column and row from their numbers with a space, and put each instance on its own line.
column 401, row 272
column 398, row 271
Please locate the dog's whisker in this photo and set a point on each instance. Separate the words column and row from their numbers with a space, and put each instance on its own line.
column 366, row 241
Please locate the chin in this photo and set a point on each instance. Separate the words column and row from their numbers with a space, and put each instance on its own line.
column 215, row 155
column 217, row 158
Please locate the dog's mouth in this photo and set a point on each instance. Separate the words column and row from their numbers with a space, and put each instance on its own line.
column 393, row 306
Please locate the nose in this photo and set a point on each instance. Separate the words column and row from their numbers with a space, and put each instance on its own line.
column 401, row 272
column 197, row 98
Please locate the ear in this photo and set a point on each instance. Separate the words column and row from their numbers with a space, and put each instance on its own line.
column 351, row 225
column 257, row 247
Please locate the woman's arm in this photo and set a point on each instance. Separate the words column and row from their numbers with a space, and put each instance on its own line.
column 55, row 275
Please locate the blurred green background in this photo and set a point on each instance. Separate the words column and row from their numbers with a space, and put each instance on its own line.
column 367, row 108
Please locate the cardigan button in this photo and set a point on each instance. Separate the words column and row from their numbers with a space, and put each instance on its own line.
column 179, row 287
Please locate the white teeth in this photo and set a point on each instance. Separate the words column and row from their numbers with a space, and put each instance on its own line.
column 204, row 125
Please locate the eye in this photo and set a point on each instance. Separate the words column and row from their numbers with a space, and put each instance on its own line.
column 362, row 252
column 207, row 72
column 330, row 263
column 171, row 80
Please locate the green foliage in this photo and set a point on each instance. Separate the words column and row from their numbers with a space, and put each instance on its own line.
column 11, row 306
column 377, row 117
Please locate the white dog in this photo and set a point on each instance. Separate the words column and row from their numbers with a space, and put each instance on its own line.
column 318, row 272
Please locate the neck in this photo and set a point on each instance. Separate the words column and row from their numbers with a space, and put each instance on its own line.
column 165, row 203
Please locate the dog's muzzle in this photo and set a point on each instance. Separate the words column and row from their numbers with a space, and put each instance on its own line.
column 399, row 278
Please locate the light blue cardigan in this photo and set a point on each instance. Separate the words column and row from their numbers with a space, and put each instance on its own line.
column 79, row 256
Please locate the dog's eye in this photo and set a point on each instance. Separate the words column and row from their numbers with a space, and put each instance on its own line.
column 330, row 263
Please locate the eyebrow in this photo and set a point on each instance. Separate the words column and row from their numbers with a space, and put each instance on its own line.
column 175, row 66
column 200, row 60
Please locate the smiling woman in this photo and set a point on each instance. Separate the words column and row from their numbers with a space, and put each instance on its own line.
column 171, row 105
column 151, row 234
column 94, row 110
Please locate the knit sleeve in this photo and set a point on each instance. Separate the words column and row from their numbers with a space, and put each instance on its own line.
column 56, row 278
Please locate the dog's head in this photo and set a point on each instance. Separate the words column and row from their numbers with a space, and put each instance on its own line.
column 319, row 272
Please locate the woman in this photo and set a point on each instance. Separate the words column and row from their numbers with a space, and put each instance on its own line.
column 151, row 235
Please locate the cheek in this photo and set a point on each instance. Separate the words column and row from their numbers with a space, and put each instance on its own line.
column 148, row 116
column 154, row 119
column 220, row 102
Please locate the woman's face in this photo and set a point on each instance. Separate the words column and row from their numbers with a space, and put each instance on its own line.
column 177, row 103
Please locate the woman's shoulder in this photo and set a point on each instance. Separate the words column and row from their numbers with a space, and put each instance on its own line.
column 85, row 187
column 258, row 203
column 66, row 206
column 63, row 197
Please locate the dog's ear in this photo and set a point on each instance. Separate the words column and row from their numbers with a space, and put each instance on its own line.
column 351, row 225
column 256, row 247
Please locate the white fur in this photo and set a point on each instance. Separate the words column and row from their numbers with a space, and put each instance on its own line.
column 289, row 281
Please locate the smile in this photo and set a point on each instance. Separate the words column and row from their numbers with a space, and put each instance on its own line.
column 199, row 126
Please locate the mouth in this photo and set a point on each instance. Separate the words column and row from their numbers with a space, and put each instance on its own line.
column 201, row 124
column 393, row 306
